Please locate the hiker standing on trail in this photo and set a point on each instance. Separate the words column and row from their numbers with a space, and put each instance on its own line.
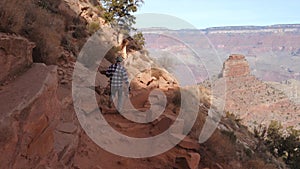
column 118, row 82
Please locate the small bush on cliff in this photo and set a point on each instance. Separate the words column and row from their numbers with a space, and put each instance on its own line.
column 139, row 40
column 282, row 143
column 51, row 6
column 93, row 27
column 120, row 12
column 119, row 15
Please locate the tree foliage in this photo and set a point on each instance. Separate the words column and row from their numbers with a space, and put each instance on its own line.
column 119, row 12
column 284, row 143
column 139, row 39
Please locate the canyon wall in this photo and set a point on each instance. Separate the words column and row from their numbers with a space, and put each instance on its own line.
column 252, row 100
column 30, row 108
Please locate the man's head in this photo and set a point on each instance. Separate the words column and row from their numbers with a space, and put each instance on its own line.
column 119, row 59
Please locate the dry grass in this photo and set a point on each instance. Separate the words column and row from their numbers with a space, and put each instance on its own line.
column 41, row 22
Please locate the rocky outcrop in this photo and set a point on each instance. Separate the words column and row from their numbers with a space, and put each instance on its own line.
column 29, row 112
column 38, row 128
column 52, row 25
column 87, row 9
column 144, row 73
column 236, row 66
column 15, row 54
column 252, row 100
column 191, row 161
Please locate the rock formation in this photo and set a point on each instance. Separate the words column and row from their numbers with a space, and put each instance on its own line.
column 235, row 66
column 15, row 54
column 252, row 100
column 264, row 48
column 29, row 106
column 39, row 127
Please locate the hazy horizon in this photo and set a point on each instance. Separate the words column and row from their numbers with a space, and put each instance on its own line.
column 207, row 14
column 154, row 27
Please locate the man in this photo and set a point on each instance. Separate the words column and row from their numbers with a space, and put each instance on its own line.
column 118, row 81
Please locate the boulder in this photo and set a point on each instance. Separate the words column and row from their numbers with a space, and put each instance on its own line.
column 191, row 161
column 30, row 109
column 15, row 54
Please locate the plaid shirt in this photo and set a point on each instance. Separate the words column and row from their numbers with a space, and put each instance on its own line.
column 117, row 74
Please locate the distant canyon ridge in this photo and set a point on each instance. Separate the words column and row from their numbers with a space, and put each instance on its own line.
column 273, row 52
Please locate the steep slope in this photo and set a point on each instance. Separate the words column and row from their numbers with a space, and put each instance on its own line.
column 252, row 100
column 291, row 88
column 29, row 105
column 39, row 127
column 231, row 145
column 58, row 28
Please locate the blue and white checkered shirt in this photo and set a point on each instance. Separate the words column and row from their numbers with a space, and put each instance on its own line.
column 117, row 74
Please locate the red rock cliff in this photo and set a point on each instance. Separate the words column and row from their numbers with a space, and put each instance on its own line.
column 252, row 100
column 15, row 54
column 235, row 66
column 29, row 106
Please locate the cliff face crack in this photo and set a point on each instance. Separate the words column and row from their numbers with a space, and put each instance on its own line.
column 41, row 133
column 61, row 154
column 19, row 142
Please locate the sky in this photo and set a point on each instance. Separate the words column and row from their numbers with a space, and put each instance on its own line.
column 214, row 13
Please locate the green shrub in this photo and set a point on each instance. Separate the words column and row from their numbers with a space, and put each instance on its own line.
column 93, row 27
column 139, row 39
column 284, row 143
column 48, row 5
